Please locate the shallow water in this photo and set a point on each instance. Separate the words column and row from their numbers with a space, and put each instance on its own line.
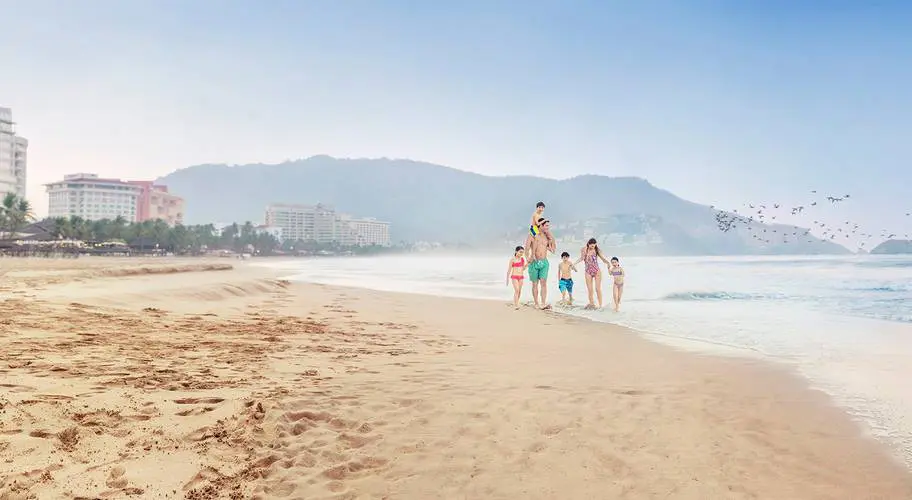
column 843, row 322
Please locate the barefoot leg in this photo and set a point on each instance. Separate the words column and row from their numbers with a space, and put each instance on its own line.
column 598, row 288
column 591, row 291
column 517, row 292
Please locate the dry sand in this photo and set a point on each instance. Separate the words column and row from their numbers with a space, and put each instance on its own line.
column 169, row 379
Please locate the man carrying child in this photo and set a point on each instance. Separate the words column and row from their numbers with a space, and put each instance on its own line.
column 537, row 249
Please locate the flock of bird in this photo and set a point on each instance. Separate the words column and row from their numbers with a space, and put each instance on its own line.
column 758, row 219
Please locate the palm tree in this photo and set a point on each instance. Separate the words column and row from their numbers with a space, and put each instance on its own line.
column 6, row 211
column 178, row 239
column 80, row 228
column 63, row 228
column 100, row 229
column 158, row 232
column 117, row 227
column 16, row 213
column 229, row 236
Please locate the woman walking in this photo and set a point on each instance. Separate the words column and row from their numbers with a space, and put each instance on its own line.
column 590, row 255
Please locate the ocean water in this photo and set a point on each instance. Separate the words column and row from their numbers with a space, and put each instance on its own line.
column 845, row 323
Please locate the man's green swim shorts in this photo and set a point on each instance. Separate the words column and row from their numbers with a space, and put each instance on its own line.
column 538, row 269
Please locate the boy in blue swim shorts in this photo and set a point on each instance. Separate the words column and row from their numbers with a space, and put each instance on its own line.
column 565, row 283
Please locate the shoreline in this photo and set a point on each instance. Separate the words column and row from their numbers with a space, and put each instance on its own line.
column 328, row 391
column 688, row 347
column 871, row 398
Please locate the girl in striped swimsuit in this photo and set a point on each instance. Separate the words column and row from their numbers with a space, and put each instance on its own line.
column 590, row 255
column 617, row 272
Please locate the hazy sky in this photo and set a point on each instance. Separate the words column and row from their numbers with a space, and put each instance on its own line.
column 718, row 101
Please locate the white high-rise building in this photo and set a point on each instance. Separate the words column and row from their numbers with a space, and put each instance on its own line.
column 93, row 198
column 296, row 221
column 368, row 231
column 304, row 222
column 321, row 223
column 13, row 157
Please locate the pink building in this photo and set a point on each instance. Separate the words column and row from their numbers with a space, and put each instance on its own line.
column 142, row 201
column 155, row 202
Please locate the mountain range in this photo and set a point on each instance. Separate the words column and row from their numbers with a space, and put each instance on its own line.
column 427, row 202
column 893, row 247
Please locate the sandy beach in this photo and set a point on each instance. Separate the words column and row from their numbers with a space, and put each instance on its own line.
column 168, row 378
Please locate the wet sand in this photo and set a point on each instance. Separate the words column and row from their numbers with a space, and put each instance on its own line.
column 189, row 379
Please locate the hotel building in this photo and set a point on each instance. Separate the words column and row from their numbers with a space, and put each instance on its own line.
column 13, row 157
column 155, row 202
column 94, row 198
column 368, row 231
column 321, row 223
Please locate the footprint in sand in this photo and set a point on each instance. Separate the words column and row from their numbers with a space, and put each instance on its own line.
column 349, row 441
column 195, row 411
column 536, row 447
column 630, row 392
column 346, row 470
column 54, row 397
column 106, row 418
column 194, row 401
column 552, row 430
column 148, row 408
column 17, row 388
column 216, row 432
column 68, row 439
column 116, row 477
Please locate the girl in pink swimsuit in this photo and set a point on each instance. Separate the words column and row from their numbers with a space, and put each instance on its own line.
column 515, row 273
column 590, row 256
